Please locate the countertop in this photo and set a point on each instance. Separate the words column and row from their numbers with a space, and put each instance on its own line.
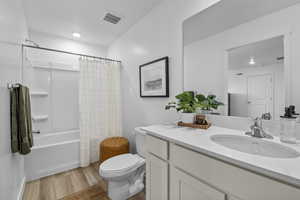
column 286, row 170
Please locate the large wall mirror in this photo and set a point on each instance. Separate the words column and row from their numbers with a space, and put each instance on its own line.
column 247, row 53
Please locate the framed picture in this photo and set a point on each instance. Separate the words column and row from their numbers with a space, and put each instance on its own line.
column 154, row 78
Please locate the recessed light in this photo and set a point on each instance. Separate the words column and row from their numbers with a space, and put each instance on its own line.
column 252, row 61
column 76, row 35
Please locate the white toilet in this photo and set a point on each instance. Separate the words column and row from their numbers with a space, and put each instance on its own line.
column 125, row 173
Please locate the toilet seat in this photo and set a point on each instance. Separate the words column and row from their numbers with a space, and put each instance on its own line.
column 120, row 165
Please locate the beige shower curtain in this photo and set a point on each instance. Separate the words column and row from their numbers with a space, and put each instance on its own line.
column 100, row 106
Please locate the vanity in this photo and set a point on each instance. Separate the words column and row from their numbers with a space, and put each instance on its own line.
column 219, row 164
column 249, row 62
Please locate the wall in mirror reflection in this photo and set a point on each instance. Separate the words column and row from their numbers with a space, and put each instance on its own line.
column 252, row 67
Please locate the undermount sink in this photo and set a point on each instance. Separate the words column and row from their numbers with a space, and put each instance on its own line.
column 255, row 146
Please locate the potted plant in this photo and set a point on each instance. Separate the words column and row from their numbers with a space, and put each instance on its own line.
column 207, row 103
column 186, row 105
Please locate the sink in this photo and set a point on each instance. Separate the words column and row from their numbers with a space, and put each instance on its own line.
column 255, row 146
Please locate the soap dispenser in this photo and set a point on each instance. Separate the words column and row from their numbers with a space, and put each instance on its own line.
column 293, row 111
column 288, row 127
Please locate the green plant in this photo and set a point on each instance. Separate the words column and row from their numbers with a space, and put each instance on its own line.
column 207, row 103
column 185, row 103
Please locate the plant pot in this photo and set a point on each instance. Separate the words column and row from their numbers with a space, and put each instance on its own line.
column 187, row 117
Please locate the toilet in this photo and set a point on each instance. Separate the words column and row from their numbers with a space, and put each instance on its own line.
column 125, row 173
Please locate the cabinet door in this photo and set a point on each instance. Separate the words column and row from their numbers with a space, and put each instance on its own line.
column 186, row 187
column 156, row 178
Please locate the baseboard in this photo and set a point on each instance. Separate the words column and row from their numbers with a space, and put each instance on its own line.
column 52, row 171
column 21, row 189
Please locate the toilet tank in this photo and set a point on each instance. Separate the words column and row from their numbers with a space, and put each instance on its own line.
column 140, row 140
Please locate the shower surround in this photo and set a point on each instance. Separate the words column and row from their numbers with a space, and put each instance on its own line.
column 53, row 79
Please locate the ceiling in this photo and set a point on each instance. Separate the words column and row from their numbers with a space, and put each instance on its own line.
column 63, row 17
column 264, row 53
column 227, row 14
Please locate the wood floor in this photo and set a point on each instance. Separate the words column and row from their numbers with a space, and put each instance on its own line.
column 77, row 184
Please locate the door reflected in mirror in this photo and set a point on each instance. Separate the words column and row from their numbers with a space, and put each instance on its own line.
column 256, row 79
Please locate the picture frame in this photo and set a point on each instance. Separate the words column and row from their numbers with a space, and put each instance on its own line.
column 154, row 78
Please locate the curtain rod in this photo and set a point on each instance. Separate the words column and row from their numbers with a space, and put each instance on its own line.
column 67, row 52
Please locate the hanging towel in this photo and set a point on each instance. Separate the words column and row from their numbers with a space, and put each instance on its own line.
column 21, row 127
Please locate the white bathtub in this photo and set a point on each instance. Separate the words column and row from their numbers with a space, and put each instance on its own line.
column 52, row 153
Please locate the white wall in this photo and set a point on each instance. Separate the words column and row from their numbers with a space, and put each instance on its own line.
column 76, row 46
column 156, row 35
column 12, row 31
column 205, row 59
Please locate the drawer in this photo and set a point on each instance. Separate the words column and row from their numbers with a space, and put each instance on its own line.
column 229, row 178
column 157, row 147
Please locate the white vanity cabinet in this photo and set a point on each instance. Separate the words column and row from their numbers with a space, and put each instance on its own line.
column 186, row 187
column 157, row 179
column 179, row 173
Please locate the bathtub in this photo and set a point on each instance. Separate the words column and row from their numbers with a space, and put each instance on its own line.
column 52, row 154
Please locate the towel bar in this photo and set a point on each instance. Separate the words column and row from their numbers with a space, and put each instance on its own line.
column 13, row 85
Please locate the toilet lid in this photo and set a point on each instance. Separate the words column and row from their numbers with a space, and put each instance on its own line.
column 120, row 164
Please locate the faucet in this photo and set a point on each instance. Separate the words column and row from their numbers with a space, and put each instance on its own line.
column 257, row 130
column 36, row 131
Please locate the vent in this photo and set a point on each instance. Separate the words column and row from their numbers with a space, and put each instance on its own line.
column 112, row 18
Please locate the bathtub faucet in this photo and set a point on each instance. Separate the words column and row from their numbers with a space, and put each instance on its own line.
column 36, row 132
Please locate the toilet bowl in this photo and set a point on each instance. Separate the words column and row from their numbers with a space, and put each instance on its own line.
column 125, row 173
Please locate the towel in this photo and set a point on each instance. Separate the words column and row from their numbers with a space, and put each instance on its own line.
column 21, row 127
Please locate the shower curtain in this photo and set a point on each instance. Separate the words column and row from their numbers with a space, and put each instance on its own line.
column 100, row 106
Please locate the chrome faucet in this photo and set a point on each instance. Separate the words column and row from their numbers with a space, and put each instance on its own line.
column 257, row 130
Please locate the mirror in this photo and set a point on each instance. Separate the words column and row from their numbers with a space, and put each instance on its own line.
column 245, row 53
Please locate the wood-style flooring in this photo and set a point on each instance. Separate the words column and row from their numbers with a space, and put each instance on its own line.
column 76, row 184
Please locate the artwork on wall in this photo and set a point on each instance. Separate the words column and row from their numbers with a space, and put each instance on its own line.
column 154, row 78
